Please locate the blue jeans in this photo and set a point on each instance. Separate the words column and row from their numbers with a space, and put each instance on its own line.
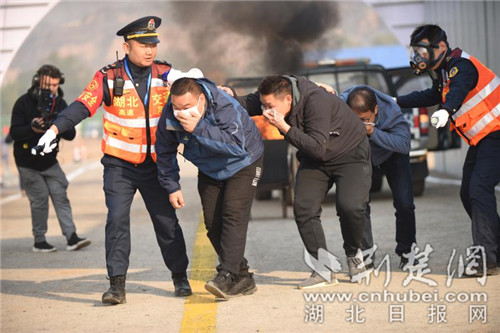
column 397, row 171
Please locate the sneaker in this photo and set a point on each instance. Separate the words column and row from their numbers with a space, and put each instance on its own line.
column 404, row 263
column 491, row 269
column 356, row 266
column 221, row 284
column 44, row 247
column 181, row 285
column 77, row 243
column 244, row 285
column 370, row 266
column 316, row 281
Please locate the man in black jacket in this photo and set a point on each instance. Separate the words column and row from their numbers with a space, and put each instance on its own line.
column 332, row 148
column 41, row 175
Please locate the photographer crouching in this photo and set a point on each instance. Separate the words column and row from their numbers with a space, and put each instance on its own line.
column 41, row 175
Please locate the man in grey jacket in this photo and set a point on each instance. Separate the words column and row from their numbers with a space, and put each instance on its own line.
column 389, row 135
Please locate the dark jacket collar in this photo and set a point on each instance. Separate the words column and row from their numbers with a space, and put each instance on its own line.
column 137, row 72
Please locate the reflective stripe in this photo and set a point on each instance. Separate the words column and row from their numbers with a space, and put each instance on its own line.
column 481, row 95
column 130, row 147
column 112, row 142
column 157, row 83
column 465, row 55
column 135, row 123
column 128, row 84
column 153, row 122
column 145, row 148
column 483, row 122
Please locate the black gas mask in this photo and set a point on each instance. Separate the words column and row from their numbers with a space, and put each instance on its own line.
column 422, row 55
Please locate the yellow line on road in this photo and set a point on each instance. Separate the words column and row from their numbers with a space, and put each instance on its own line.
column 200, row 309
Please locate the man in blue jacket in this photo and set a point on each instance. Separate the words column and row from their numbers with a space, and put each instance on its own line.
column 389, row 135
column 223, row 142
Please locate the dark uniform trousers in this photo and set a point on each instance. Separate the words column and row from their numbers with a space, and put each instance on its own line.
column 226, row 209
column 351, row 174
column 121, row 181
column 481, row 173
column 397, row 171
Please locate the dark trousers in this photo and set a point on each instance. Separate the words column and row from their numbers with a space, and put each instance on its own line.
column 481, row 173
column 226, row 208
column 397, row 171
column 121, row 181
column 352, row 176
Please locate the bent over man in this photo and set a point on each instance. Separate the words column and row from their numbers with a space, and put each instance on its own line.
column 332, row 149
column 224, row 143
column 390, row 141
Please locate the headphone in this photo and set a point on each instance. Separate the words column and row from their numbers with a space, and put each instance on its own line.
column 47, row 70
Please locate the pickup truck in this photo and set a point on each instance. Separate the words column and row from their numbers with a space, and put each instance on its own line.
column 399, row 81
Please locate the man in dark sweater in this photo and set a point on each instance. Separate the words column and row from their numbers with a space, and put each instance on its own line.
column 332, row 148
column 41, row 175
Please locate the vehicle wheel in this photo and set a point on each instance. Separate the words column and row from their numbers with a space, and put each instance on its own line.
column 263, row 195
column 418, row 187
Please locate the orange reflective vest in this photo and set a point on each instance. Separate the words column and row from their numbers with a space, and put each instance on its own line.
column 479, row 114
column 267, row 131
column 124, row 120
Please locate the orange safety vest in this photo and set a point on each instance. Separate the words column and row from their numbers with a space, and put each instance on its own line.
column 267, row 131
column 124, row 121
column 479, row 114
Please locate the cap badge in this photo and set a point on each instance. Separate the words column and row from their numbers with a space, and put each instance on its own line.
column 151, row 24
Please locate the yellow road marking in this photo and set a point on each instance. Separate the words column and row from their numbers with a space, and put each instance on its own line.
column 200, row 309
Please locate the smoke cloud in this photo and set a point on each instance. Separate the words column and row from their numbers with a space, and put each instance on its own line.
column 274, row 32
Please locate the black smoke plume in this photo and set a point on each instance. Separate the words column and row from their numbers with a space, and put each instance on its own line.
column 282, row 28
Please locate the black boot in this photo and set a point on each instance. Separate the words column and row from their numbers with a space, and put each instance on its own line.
column 181, row 285
column 116, row 291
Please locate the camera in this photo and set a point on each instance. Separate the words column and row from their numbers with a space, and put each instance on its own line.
column 46, row 107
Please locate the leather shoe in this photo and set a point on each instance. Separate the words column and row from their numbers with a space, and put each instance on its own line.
column 182, row 287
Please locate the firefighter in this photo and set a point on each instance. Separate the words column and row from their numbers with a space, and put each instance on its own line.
column 133, row 93
column 469, row 94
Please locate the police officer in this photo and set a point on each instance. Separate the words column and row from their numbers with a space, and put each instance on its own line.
column 469, row 95
column 133, row 94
